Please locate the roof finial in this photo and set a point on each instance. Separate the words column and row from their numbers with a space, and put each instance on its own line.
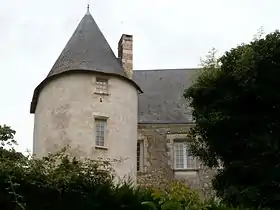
column 88, row 8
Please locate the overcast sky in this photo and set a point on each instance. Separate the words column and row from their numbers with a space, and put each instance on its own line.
column 167, row 34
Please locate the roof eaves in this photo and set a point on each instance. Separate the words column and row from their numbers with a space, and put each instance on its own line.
column 49, row 78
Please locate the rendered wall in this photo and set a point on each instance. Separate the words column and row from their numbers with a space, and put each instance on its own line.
column 65, row 114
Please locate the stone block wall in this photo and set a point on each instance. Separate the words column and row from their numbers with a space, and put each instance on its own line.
column 158, row 158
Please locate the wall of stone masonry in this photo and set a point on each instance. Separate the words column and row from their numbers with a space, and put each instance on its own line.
column 158, row 158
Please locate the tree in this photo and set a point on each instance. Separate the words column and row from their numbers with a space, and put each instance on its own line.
column 7, row 143
column 236, row 105
column 7, row 135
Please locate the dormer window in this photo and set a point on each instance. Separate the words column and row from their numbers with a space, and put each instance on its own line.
column 102, row 86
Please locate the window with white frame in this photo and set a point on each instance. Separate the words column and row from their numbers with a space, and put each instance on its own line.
column 140, row 155
column 182, row 158
column 101, row 86
column 100, row 132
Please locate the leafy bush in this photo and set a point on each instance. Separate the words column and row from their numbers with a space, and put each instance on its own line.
column 59, row 182
column 175, row 194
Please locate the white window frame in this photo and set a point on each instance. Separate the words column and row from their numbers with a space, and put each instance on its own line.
column 102, row 86
column 186, row 161
column 100, row 132
column 140, row 155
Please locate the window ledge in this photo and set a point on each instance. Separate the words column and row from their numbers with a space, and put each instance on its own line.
column 141, row 172
column 186, row 169
column 102, row 94
column 101, row 147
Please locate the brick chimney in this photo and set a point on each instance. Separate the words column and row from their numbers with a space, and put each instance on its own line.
column 125, row 54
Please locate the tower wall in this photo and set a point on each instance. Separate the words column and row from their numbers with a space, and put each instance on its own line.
column 65, row 115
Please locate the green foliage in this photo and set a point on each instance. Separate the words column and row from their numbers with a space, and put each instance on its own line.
column 237, row 107
column 150, row 204
column 175, row 195
column 60, row 182
column 172, row 205
column 168, row 205
column 7, row 135
column 7, row 143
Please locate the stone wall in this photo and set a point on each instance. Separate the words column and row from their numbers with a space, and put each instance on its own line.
column 158, row 158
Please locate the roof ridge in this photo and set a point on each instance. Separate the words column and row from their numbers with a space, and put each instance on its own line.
column 169, row 69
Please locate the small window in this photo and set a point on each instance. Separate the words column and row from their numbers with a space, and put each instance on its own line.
column 100, row 131
column 101, row 86
column 140, row 155
column 182, row 158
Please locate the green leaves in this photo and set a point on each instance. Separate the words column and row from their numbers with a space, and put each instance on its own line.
column 150, row 204
column 61, row 182
column 237, row 107
column 175, row 195
column 7, row 136
column 169, row 205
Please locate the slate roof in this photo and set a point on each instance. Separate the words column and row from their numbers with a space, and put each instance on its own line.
column 162, row 100
column 87, row 50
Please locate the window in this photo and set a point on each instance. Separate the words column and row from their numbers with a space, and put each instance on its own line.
column 100, row 131
column 182, row 158
column 101, row 86
column 140, row 155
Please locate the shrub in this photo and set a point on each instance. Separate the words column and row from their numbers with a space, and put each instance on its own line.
column 61, row 182
column 176, row 193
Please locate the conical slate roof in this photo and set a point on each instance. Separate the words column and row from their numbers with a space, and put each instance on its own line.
column 87, row 50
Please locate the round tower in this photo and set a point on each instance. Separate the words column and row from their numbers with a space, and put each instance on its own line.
column 88, row 102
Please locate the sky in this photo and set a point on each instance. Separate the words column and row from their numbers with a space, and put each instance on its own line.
column 167, row 34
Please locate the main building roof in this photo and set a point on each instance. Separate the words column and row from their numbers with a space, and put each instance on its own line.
column 162, row 100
